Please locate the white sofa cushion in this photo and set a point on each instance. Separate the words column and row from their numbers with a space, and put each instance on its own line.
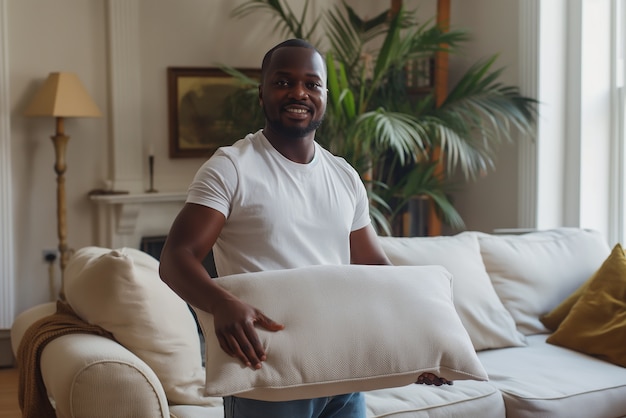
column 121, row 291
column 544, row 380
column 466, row 398
column 484, row 317
column 532, row 273
column 347, row 328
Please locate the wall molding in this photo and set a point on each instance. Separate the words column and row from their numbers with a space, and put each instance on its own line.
column 125, row 98
column 529, row 86
column 7, row 242
column 617, row 205
column 573, row 127
column 7, row 359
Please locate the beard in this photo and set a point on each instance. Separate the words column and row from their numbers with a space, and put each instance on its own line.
column 292, row 131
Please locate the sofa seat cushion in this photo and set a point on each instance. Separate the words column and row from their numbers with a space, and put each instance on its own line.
column 196, row 411
column 347, row 328
column 549, row 381
column 532, row 273
column 463, row 399
column 486, row 320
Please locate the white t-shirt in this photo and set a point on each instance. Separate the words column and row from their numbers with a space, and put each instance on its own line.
column 280, row 214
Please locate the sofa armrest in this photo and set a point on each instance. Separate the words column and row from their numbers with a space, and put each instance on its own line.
column 90, row 376
column 25, row 319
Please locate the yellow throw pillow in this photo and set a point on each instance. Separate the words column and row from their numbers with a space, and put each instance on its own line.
column 596, row 324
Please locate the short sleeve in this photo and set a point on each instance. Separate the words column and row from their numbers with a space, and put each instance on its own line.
column 214, row 184
column 361, row 212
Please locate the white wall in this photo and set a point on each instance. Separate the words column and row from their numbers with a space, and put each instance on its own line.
column 490, row 202
column 71, row 35
column 43, row 37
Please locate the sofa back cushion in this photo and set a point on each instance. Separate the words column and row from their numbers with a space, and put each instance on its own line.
column 555, row 317
column 532, row 273
column 347, row 328
column 121, row 291
column 486, row 320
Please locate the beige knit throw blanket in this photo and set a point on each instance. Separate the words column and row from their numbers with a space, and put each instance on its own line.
column 32, row 394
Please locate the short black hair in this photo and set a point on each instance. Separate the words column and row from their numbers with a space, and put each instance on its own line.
column 295, row 42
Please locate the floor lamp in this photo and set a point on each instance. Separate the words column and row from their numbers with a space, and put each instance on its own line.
column 62, row 96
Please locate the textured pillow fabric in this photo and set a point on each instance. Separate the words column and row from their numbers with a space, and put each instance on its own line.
column 347, row 328
column 121, row 291
column 484, row 317
column 596, row 324
column 532, row 273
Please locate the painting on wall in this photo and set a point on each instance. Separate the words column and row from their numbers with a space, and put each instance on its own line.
column 209, row 108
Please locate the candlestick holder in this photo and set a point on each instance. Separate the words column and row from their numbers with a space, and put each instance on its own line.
column 151, row 170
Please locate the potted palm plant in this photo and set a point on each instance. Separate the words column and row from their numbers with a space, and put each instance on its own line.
column 382, row 127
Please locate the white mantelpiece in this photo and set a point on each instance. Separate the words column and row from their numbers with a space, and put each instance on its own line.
column 123, row 219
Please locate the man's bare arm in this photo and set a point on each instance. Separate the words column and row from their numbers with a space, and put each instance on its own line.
column 190, row 239
column 365, row 247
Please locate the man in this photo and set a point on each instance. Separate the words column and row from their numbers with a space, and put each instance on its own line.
column 273, row 200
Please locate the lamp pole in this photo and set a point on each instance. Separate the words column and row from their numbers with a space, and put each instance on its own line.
column 60, row 146
column 62, row 95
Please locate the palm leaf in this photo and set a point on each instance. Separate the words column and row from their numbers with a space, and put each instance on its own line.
column 477, row 115
column 392, row 130
column 243, row 79
column 423, row 181
column 344, row 40
column 379, row 210
column 288, row 23
column 385, row 132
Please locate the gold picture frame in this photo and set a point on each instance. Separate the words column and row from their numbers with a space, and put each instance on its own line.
column 196, row 98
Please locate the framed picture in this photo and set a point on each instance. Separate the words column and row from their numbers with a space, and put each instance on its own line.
column 203, row 113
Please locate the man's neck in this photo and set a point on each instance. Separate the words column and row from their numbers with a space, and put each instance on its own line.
column 298, row 150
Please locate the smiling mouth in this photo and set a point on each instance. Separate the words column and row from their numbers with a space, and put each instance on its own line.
column 297, row 113
column 292, row 110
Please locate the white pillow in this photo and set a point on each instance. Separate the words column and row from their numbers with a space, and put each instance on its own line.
column 484, row 317
column 347, row 328
column 121, row 291
column 532, row 273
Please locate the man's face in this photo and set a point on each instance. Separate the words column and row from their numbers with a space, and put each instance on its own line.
column 293, row 92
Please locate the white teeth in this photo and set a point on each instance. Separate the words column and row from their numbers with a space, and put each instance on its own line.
column 297, row 110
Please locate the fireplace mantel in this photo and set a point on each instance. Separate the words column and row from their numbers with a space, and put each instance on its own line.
column 125, row 199
column 123, row 219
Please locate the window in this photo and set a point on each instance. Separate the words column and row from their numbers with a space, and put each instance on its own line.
column 618, row 218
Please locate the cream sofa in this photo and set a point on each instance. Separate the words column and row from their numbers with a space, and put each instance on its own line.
column 503, row 284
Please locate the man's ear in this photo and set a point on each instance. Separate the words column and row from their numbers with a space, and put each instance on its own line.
column 261, row 95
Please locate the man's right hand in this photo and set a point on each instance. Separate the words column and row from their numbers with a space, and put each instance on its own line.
column 235, row 323
column 432, row 379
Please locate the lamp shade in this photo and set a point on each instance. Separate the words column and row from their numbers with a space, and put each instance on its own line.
column 62, row 95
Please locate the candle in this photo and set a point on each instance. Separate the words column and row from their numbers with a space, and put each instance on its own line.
column 151, row 169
